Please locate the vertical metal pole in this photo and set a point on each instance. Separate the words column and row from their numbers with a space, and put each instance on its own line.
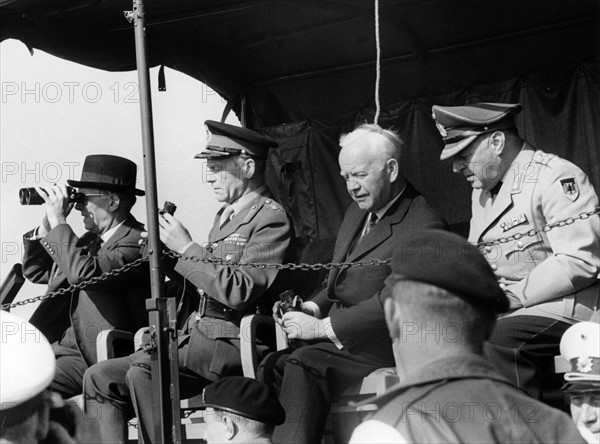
column 243, row 110
column 166, row 424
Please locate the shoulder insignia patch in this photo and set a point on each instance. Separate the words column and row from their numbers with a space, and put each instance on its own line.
column 570, row 188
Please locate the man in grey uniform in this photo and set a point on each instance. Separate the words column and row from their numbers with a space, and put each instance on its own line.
column 250, row 228
column 550, row 276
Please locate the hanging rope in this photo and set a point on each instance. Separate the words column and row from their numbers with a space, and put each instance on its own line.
column 378, row 63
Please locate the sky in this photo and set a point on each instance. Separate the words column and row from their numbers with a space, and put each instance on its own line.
column 53, row 113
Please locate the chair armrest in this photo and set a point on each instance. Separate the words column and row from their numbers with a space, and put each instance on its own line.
column 248, row 351
column 105, row 343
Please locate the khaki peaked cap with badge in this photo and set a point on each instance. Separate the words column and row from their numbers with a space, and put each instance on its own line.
column 226, row 140
column 461, row 125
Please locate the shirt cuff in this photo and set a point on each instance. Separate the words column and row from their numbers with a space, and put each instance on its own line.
column 331, row 334
column 185, row 247
column 36, row 233
column 314, row 307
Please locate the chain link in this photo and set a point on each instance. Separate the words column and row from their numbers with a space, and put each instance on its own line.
column 288, row 266
column 79, row 286
column 545, row 229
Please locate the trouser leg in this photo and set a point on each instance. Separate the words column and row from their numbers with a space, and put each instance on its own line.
column 306, row 380
column 139, row 382
column 523, row 348
column 70, row 367
column 107, row 398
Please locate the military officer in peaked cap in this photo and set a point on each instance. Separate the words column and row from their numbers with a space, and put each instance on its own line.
column 580, row 346
column 240, row 410
column 449, row 391
column 549, row 276
column 250, row 227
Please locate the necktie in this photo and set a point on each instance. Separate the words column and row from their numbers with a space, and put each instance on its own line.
column 370, row 224
column 371, row 221
column 226, row 215
column 95, row 246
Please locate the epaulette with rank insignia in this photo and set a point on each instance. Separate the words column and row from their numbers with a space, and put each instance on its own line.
column 544, row 158
column 271, row 204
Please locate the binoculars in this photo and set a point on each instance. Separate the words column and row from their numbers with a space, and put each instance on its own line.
column 30, row 196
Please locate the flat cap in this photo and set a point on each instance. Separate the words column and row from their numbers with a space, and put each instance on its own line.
column 460, row 125
column 580, row 346
column 27, row 363
column 226, row 140
column 448, row 261
column 246, row 397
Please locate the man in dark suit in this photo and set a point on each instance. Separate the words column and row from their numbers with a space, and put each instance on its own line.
column 344, row 323
column 250, row 228
column 56, row 256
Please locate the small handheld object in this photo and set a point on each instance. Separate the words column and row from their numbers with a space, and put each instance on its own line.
column 168, row 207
column 30, row 196
column 289, row 302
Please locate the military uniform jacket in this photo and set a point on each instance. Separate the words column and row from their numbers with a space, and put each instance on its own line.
column 259, row 233
column 462, row 399
column 61, row 259
column 353, row 297
column 553, row 273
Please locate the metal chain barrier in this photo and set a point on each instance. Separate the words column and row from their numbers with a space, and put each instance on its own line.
column 545, row 229
column 289, row 266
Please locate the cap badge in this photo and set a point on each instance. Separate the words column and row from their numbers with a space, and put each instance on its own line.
column 584, row 364
column 441, row 129
column 570, row 188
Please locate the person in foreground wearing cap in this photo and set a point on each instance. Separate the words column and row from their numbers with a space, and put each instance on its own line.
column 449, row 391
column 55, row 255
column 27, row 368
column 250, row 227
column 550, row 277
column 241, row 410
column 344, row 323
column 580, row 346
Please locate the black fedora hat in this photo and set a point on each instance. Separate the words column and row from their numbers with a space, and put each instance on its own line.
column 107, row 172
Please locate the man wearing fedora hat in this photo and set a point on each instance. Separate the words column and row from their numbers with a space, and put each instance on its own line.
column 55, row 255
column 550, row 274
column 250, row 228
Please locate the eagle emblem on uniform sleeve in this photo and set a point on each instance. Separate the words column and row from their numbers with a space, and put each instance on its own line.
column 570, row 188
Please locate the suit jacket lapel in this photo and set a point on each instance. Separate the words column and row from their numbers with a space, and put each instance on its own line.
column 121, row 232
column 383, row 229
column 486, row 210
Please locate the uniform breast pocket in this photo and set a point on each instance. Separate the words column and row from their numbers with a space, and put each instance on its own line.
column 524, row 255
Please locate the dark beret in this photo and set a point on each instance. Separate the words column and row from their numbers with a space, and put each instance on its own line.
column 460, row 125
column 246, row 397
column 227, row 140
column 448, row 261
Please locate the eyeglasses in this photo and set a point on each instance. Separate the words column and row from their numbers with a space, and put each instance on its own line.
column 83, row 197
